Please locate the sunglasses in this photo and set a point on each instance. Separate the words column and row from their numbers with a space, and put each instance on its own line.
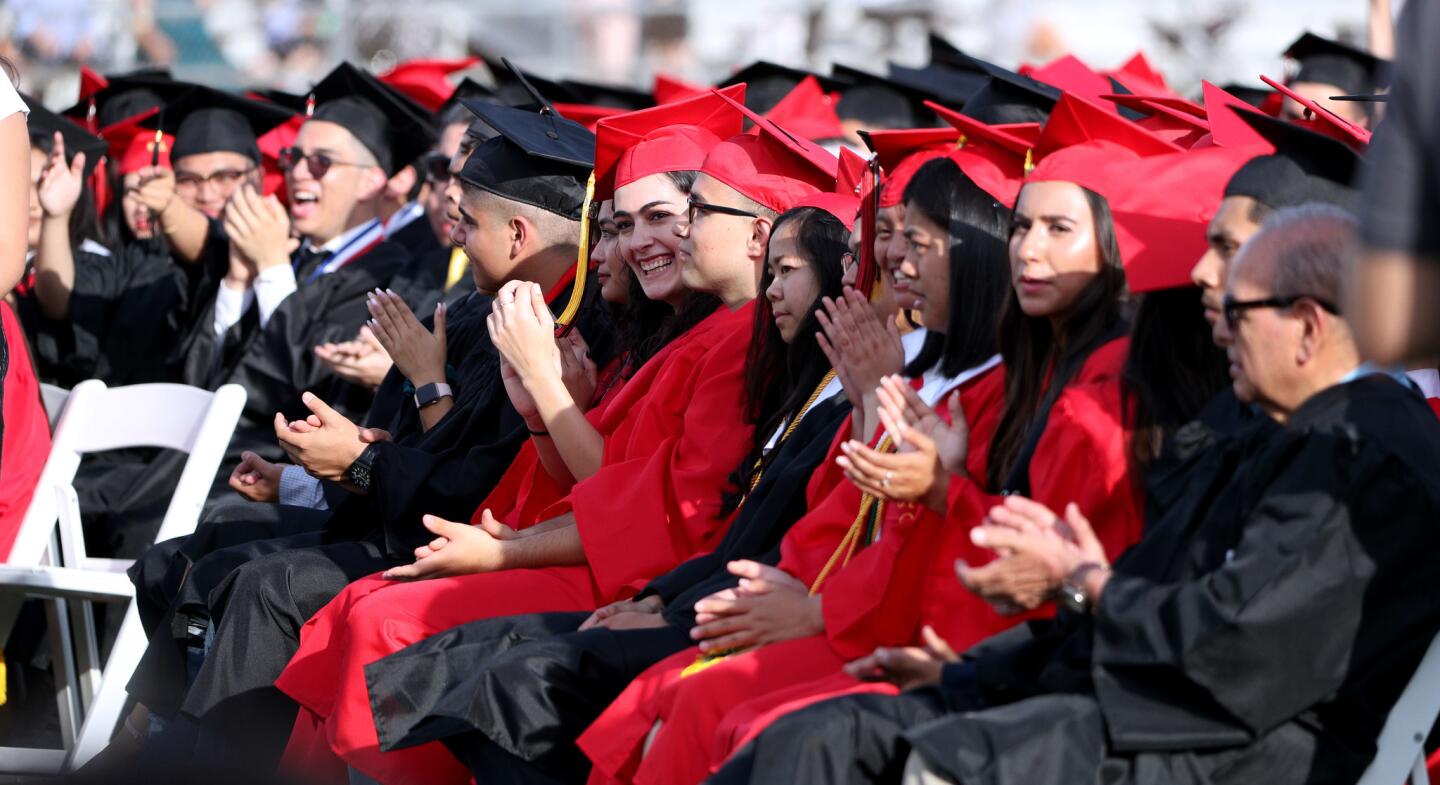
column 696, row 207
column 436, row 168
column 1234, row 309
column 317, row 163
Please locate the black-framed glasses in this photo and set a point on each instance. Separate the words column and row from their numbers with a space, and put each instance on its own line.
column 1233, row 309
column 317, row 163
column 697, row 206
column 220, row 178
column 435, row 167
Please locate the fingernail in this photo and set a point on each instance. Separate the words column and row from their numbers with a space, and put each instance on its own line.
column 977, row 536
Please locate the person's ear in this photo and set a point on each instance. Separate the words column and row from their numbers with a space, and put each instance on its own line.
column 1313, row 328
column 400, row 184
column 372, row 182
column 522, row 235
column 758, row 246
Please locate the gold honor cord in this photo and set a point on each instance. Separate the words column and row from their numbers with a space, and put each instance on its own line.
column 789, row 429
column 582, row 264
column 871, row 508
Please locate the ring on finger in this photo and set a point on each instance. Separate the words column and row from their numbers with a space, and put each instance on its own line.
column 889, row 475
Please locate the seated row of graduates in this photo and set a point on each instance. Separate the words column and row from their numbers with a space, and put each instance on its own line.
column 715, row 455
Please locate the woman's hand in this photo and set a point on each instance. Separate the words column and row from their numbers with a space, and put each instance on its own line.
column 860, row 349
column 916, row 427
column 61, row 184
column 417, row 352
column 768, row 606
column 906, row 667
column 613, row 616
column 523, row 331
column 577, row 370
column 458, row 549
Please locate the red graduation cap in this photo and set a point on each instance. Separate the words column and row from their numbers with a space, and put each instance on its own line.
column 587, row 114
column 844, row 201
column 1173, row 119
column 1071, row 74
column 425, row 80
column 902, row 152
column 1077, row 121
column 667, row 138
column 90, row 83
column 1226, row 127
column 669, row 89
column 770, row 164
column 1324, row 121
column 809, row 111
column 1162, row 206
column 135, row 148
column 1140, row 77
column 993, row 157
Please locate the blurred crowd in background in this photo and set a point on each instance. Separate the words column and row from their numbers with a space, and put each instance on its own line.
column 288, row 44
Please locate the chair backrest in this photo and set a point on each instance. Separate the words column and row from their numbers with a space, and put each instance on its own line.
column 99, row 418
column 1402, row 741
column 53, row 398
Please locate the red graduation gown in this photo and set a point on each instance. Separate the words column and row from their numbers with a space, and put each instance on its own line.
column 27, row 433
column 672, row 437
column 913, row 566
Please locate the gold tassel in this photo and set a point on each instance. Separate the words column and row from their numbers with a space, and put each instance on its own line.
column 1029, row 161
column 582, row 264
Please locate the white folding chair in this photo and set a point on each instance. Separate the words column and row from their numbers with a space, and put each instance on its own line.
column 1400, row 750
column 49, row 561
column 53, row 398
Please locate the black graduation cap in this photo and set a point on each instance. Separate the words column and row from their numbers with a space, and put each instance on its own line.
column 1326, row 61
column 1305, row 167
column 881, row 103
column 942, row 52
column 951, row 85
column 536, row 157
column 1250, row 94
column 206, row 120
column 127, row 95
column 511, row 91
column 292, row 101
column 1374, row 98
column 468, row 88
column 618, row 96
column 1008, row 97
column 43, row 124
column 392, row 127
column 766, row 83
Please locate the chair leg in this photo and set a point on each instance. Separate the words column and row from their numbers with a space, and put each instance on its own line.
column 1420, row 774
column 105, row 713
column 62, row 664
column 87, row 650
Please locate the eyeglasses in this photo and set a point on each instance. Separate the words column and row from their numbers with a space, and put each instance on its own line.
column 847, row 260
column 705, row 207
column 221, row 178
column 317, row 163
column 436, row 168
column 1233, row 309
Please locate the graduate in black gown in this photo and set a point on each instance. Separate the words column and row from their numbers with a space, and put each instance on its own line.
column 444, row 446
column 1261, row 630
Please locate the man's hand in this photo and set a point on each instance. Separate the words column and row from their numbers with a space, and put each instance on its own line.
column 1011, row 584
column 325, row 450
column 1021, row 527
column 256, row 478
column 768, row 606
column 417, row 352
column 459, row 549
column 906, row 667
column 260, row 228
column 604, row 615
column 61, row 184
column 157, row 188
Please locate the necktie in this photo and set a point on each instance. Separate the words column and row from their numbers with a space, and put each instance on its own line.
column 307, row 261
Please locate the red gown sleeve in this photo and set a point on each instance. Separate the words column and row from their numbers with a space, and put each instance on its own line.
column 656, row 499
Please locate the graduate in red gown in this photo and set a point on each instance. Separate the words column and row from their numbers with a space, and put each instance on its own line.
column 671, row 440
column 1087, row 424
column 26, row 434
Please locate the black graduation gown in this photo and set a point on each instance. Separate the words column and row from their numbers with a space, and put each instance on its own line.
column 510, row 695
column 258, row 594
column 1260, row 632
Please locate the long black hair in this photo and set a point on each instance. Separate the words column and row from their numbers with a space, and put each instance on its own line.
column 780, row 377
column 1030, row 347
column 1173, row 368
column 978, row 226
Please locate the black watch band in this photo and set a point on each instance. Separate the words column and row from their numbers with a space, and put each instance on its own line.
column 359, row 473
